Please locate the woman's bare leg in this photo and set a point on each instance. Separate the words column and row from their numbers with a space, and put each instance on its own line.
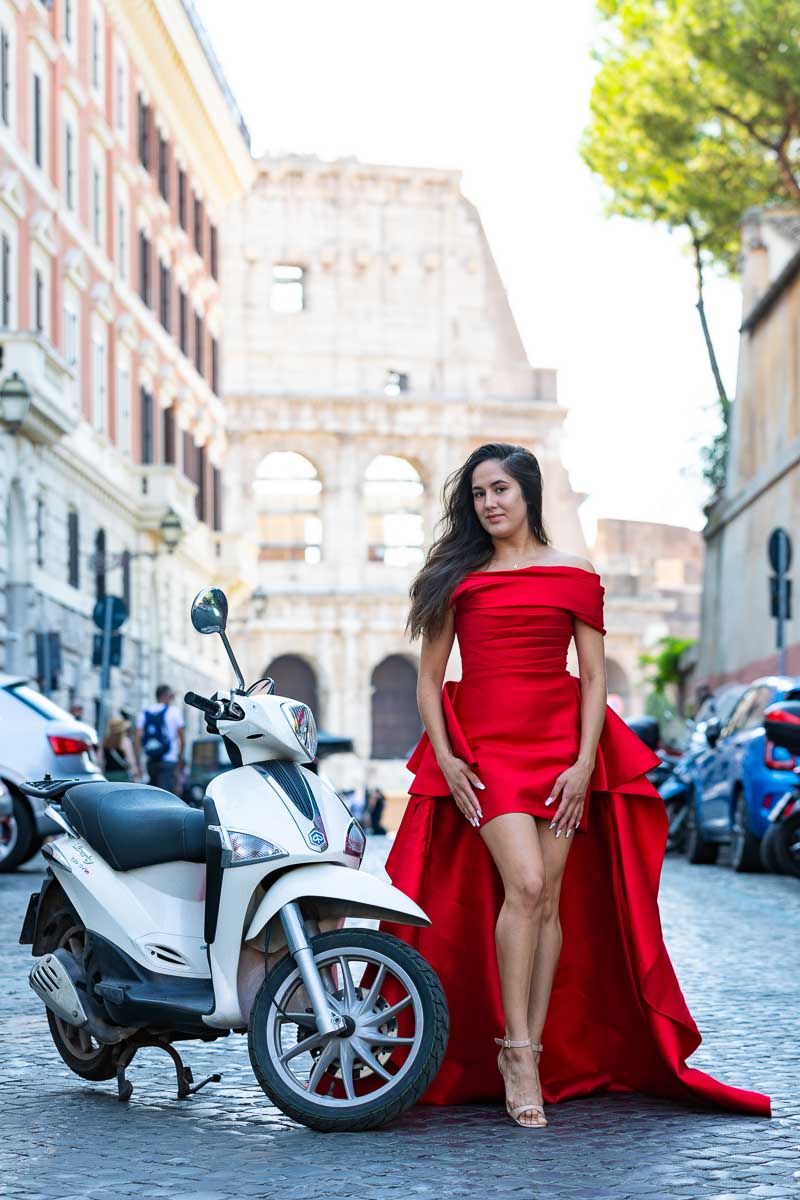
column 554, row 853
column 513, row 842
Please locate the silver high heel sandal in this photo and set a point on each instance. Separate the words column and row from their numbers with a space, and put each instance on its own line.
column 516, row 1113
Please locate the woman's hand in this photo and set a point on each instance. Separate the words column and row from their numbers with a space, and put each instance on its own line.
column 571, row 785
column 460, row 780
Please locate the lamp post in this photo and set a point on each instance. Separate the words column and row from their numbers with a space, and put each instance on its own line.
column 259, row 600
column 171, row 530
column 15, row 401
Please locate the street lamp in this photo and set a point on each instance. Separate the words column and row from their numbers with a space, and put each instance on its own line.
column 15, row 400
column 171, row 529
column 259, row 602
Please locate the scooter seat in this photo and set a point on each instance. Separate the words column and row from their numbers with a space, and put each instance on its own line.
column 134, row 825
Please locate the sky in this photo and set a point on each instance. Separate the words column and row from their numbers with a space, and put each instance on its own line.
column 500, row 90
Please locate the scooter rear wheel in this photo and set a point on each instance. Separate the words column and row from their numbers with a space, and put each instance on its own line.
column 397, row 1029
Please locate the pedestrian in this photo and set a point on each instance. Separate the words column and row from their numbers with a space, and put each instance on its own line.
column 161, row 738
column 533, row 839
column 118, row 762
column 377, row 803
column 76, row 710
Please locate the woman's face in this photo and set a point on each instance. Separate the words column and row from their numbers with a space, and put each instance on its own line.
column 498, row 499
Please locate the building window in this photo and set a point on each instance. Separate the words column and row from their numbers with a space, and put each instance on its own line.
column 41, row 525
column 100, row 379
column 183, row 321
column 148, row 449
column 163, row 167
column 96, row 51
column 394, row 500
column 98, row 194
column 123, row 403
column 123, row 220
column 145, row 269
column 37, row 116
column 396, row 382
column 69, row 22
column 164, row 294
column 288, row 494
column 69, row 165
column 126, row 579
column 198, row 225
column 188, row 455
column 143, row 132
column 5, row 76
column 73, row 549
column 100, row 564
column 181, row 197
column 288, row 289
column 121, row 94
column 216, row 499
column 38, row 300
column 213, row 251
column 71, row 343
column 168, row 432
column 215, row 366
column 200, row 480
column 198, row 343
column 6, row 281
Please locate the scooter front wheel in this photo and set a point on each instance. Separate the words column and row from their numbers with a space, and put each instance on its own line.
column 395, row 1036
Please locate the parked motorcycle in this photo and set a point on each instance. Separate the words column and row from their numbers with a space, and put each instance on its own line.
column 780, row 846
column 160, row 922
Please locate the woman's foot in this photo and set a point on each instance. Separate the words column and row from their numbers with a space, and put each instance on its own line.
column 518, row 1066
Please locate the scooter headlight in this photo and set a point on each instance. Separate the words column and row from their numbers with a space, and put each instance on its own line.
column 302, row 722
column 246, row 848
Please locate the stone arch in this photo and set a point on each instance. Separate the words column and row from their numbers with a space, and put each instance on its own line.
column 394, row 497
column 294, row 676
column 618, row 684
column 288, row 496
column 396, row 723
column 17, row 578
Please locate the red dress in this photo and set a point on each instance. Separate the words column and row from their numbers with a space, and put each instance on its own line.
column 617, row 1020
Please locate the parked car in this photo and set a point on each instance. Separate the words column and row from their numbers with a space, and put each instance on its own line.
column 38, row 738
column 738, row 777
column 209, row 758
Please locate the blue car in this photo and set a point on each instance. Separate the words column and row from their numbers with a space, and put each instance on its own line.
column 738, row 777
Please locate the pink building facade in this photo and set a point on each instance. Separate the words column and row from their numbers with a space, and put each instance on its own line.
column 120, row 147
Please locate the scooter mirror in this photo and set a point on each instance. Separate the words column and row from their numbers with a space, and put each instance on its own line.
column 210, row 611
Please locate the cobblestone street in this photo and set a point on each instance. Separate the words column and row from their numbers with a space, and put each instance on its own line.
column 733, row 940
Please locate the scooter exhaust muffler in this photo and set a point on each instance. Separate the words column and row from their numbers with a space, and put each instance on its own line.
column 53, row 983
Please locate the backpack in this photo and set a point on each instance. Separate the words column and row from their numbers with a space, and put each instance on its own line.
column 155, row 739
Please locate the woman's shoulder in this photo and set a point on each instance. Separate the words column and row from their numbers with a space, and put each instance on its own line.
column 561, row 559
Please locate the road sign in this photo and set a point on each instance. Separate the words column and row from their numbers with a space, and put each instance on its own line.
column 779, row 549
column 114, row 651
column 780, row 602
column 118, row 614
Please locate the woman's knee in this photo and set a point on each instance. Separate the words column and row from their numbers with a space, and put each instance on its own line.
column 526, row 891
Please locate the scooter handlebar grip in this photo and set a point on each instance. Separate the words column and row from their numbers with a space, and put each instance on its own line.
column 213, row 707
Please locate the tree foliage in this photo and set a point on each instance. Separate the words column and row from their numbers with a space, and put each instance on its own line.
column 695, row 117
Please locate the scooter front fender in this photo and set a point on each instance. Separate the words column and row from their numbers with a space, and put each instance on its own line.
column 342, row 893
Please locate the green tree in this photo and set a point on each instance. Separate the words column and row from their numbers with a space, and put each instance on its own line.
column 695, row 117
column 667, row 673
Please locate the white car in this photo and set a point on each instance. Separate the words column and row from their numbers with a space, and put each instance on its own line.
column 37, row 738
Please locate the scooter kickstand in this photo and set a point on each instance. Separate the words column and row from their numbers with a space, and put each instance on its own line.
column 186, row 1085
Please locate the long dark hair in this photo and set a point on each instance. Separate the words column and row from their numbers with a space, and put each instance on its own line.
column 464, row 545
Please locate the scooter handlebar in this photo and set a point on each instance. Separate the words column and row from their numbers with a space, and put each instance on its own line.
column 213, row 708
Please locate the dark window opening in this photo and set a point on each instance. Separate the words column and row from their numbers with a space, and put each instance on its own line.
column 164, row 294
column 215, row 366
column 198, row 225
column 126, row 579
column 38, row 141
column 198, row 343
column 169, row 434
column 216, row 499
column 145, row 269
column 100, row 564
column 213, row 251
column 183, row 321
column 396, row 723
column 143, row 113
column 181, row 197
column 163, row 167
column 200, row 480
column 396, row 382
column 5, row 281
column 38, row 300
column 5, row 78
column 73, row 549
column 148, row 448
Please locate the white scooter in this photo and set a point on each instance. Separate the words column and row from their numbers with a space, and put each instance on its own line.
column 156, row 924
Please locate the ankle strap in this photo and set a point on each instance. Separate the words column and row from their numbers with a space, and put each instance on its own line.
column 508, row 1042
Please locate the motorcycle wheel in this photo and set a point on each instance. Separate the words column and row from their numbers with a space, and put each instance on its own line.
column 768, row 850
column 79, row 1050
column 18, row 841
column 745, row 854
column 398, row 1026
column 787, row 844
column 698, row 850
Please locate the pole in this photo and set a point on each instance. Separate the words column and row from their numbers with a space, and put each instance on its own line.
column 781, row 573
column 105, row 669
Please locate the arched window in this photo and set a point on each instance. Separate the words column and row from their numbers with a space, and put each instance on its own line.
column 287, row 493
column 295, row 678
column 396, row 723
column 100, row 564
column 393, row 496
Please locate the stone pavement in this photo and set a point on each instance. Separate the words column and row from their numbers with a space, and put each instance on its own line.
column 734, row 942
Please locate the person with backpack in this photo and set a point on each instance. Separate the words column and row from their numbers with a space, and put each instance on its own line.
column 161, row 738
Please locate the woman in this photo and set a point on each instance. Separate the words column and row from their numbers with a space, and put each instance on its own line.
column 532, row 829
column 118, row 763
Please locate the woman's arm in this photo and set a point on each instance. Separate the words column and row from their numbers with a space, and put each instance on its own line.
column 432, row 665
column 572, row 783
